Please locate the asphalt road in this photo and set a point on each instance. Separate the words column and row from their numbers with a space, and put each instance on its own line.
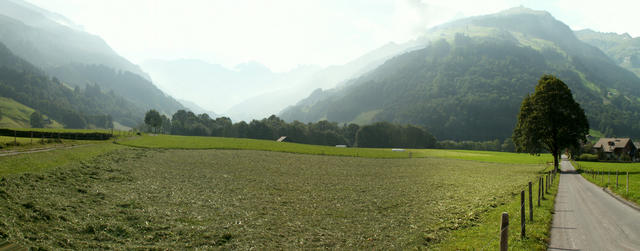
column 587, row 218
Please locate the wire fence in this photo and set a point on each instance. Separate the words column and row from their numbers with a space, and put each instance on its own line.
column 545, row 183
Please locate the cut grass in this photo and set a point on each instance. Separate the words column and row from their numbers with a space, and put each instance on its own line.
column 24, row 144
column 204, row 199
column 484, row 156
column 609, row 178
column 190, row 142
column 485, row 234
column 44, row 161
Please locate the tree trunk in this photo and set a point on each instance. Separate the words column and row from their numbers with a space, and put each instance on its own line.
column 555, row 160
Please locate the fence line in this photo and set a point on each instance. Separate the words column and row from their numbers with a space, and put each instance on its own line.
column 544, row 181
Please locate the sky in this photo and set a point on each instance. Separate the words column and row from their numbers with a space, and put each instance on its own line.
column 284, row 34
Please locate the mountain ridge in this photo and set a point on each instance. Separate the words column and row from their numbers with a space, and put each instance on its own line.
column 468, row 81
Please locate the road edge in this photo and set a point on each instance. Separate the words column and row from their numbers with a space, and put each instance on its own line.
column 619, row 198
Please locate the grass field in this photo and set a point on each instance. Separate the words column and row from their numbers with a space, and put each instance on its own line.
column 484, row 156
column 24, row 144
column 609, row 177
column 186, row 142
column 48, row 161
column 110, row 196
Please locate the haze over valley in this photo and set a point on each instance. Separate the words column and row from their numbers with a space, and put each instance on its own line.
column 243, row 88
column 319, row 125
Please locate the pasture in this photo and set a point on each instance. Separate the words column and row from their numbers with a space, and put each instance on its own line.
column 111, row 196
column 608, row 179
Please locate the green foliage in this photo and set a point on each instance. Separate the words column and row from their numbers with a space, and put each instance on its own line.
column 587, row 157
column 384, row 134
column 153, row 119
column 550, row 119
column 320, row 133
column 36, row 120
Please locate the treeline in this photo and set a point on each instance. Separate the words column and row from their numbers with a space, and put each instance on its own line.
column 380, row 134
column 490, row 145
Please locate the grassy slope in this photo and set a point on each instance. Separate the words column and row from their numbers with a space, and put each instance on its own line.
column 609, row 177
column 16, row 115
column 177, row 199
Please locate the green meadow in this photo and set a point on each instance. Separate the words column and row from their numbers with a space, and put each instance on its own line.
column 173, row 192
column 606, row 177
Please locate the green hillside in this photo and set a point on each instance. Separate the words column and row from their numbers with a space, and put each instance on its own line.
column 87, row 107
column 468, row 83
column 622, row 48
column 16, row 115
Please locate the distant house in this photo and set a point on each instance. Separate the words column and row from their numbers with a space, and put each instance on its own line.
column 615, row 149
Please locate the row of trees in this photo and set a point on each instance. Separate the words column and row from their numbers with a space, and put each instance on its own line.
column 491, row 145
column 381, row 134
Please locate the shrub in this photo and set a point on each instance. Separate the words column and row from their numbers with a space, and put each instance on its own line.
column 587, row 157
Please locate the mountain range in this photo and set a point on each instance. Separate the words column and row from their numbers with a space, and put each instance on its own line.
column 56, row 50
column 463, row 80
column 467, row 80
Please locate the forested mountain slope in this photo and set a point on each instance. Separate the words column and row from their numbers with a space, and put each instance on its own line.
column 622, row 48
column 74, row 108
column 468, row 83
column 53, row 44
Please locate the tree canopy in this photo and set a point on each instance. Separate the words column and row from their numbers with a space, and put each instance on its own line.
column 550, row 119
column 153, row 119
column 36, row 120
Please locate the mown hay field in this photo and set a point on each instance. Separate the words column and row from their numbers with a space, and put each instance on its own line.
column 181, row 199
column 189, row 142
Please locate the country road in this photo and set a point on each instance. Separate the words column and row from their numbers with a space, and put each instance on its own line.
column 587, row 218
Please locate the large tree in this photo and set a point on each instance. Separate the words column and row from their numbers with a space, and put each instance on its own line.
column 153, row 119
column 550, row 119
column 36, row 120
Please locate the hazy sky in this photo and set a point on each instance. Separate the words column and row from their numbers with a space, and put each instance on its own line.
column 285, row 33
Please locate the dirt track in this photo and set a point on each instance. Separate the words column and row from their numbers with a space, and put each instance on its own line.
column 587, row 218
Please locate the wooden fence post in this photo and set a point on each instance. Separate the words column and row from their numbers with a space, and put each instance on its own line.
column 504, row 232
column 544, row 186
column 530, row 203
column 522, row 217
column 539, row 190
column 616, row 179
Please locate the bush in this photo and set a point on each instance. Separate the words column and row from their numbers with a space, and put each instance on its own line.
column 587, row 157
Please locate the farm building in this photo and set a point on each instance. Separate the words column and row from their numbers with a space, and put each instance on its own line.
column 615, row 149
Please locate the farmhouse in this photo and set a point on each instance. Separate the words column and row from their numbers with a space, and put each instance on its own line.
column 615, row 149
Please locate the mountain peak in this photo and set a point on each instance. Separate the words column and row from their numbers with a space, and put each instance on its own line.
column 524, row 10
